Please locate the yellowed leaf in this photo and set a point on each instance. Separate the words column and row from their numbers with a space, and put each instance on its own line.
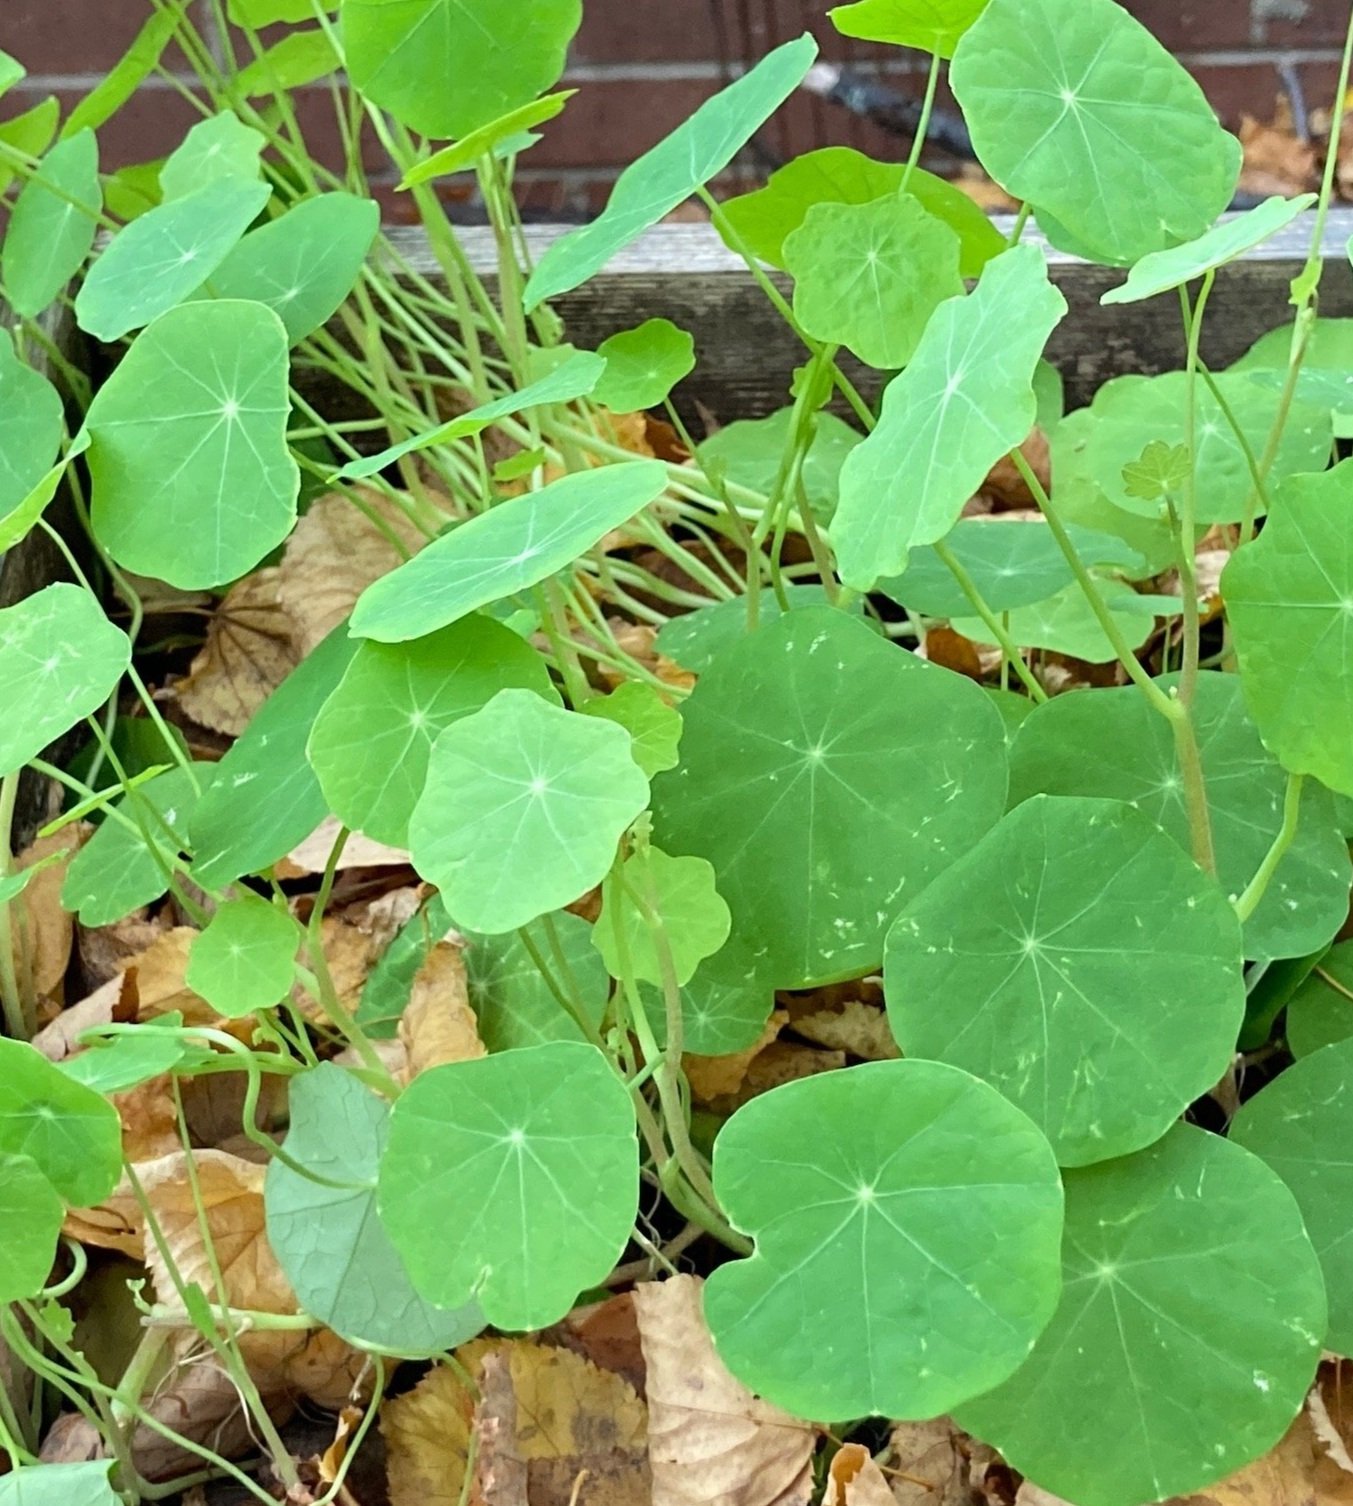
column 438, row 1026
column 427, row 1440
column 710, row 1440
column 855, row 1480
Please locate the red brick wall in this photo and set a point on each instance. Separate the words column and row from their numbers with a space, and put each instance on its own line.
column 642, row 65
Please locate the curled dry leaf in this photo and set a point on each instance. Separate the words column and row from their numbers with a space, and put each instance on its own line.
column 854, row 1479
column 438, row 1026
column 935, row 1464
column 857, row 1028
column 1330, row 1408
column 638, row 639
column 312, row 856
column 104, row 951
column 710, row 1440
column 114, row 1003
column 43, row 931
column 772, row 1067
column 714, row 1077
column 951, row 650
column 1276, row 160
column 607, row 1333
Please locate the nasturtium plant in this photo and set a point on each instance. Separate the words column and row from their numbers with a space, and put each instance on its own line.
column 516, row 1003
column 643, row 365
column 221, row 146
column 71, row 1133
column 494, row 138
column 1067, row 624
column 932, row 25
column 116, row 1063
column 660, row 913
column 31, row 1214
column 749, row 452
column 653, row 725
column 59, row 1485
column 52, row 225
column 30, row 429
column 1320, row 1009
column 243, row 960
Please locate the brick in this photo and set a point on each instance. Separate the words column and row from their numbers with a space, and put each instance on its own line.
column 65, row 37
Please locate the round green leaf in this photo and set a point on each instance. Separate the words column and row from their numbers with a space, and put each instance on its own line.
column 371, row 741
column 750, row 451
column 1098, row 984
column 1111, row 744
column 1289, row 599
column 515, row 1003
column 1075, row 107
column 1066, row 623
column 401, row 54
column 71, row 1133
column 677, row 893
column 30, row 429
column 869, row 276
column 512, row 1180
column 60, row 660
column 31, row 1215
column 1145, row 1385
column 931, row 25
column 498, row 553
column 328, row 1239
column 163, row 257
column 906, row 1242
column 60, row 1485
column 220, row 147
column 1329, row 358
column 653, row 725
column 522, row 809
column 696, row 639
column 52, row 225
column 206, row 383
column 643, row 365
column 244, row 960
column 1320, row 1012
column 811, row 779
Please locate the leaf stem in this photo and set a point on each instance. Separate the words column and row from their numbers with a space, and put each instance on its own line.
column 1255, row 890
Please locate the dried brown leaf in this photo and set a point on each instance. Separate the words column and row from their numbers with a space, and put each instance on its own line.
column 43, row 931
column 772, row 1067
column 951, row 650
column 714, row 1077
column 855, row 1480
column 710, row 1440
column 607, row 1333
column 438, row 1026
column 1006, row 486
column 857, row 1028
column 930, row 1464
column 312, row 856
column 104, row 951
column 1276, row 160
column 638, row 640
column 427, row 1440
column 115, row 1002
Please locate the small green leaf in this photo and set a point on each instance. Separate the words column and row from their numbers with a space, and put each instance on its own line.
column 71, row 1133
column 1144, row 1385
column 132, row 191
column 513, row 546
column 750, row 451
column 19, row 522
column 547, row 789
column 244, row 960
column 1163, row 271
column 1320, row 1012
column 724, row 1008
column 401, row 54
column 126, row 76
column 12, row 885
column 1066, row 623
column 328, row 1239
column 388, row 986
column 1098, row 985
column 654, row 726
column 1075, row 107
column 677, row 894
column 662, row 178
column 963, row 403
column 300, row 58
column 160, row 259
column 912, row 1209
column 221, row 146
column 931, row 25
column 512, row 1180
column 371, row 741
column 515, row 1003
column 30, row 431
column 12, row 71
column 1161, row 471
column 1289, row 598
column 31, row 1215
column 60, row 660
column 52, row 225
column 60, row 1484
column 643, row 365
column 488, row 139
column 869, row 276
column 114, row 1063
column 30, row 133
column 208, row 383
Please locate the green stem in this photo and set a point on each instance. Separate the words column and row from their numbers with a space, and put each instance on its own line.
column 1255, row 890
column 995, row 626
column 923, row 123
column 18, row 1024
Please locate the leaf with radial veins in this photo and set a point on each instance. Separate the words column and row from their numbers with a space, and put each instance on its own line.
column 1098, row 986
column 1163, row 271
column 762, row 221
column 965, row 401
column 60, row 1484
column 30, row 428
column 679, row 894
column 654, row 726
column 811, row 779
column 1075, row 107
column 698, row 150
column 869, row 276
column 401, row 53
column 522, row 810
column 1289, row 600
column 749, row 451
column 488, row 139
column 1301, row 1124
column 1111, row 744
column 303, row 264
column 60, row 660
column 1326, row 376
column 328, row 1239
column 135, row 1054
column 162, row 258
column 498, row 553
column 643, row 365
column 1066, row 623
column 370, row 744
column 906, row 1242
column 221, row 146
column 1161, row 1251
column 72, row 1133
column 206, row 383
column 31, row 1215
column 724, row 1008
column 930, row 25
column 52, row 225
column 512, row 1180
column 244, row 959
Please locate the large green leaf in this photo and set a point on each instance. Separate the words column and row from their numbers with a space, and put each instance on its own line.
column 1328, row 358
column 60, row 660
column 221, row 146
column 906, row 1241
column 1289, row 598
column 205, row 386
column 513, row 546
column 447, row 67
column 1145, row 1385
column 512, row 1180
column 61, row 1484
column 30, row 429
column 965, row 401
column 243, row 960
column 71, row 1133
column 1320, row 1011
column 1075, row 107
column 1097, row 985
column 370, row 744
column 303, row 264
column 52, row 225
column 515, row 1003
column 750, row 452
column 1112, row 744
column 931, row 25
column 163, row 257
column 812, row 780
column 677, row 893
column 31, row 1215
column 869, row 276
column 698, row 150
column 522, row 809
column 329, row 1240
column 1301, row 1124
column 265, row 798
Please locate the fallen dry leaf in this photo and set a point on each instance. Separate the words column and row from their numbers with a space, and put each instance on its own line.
column 115, row 1002
column 158, row 974
column 104, row 951
column 933, row 1464
column 855, row 1480
column 714, row 1077
column 312, row 856
column 638, row 640
column 438, row 1026
column 951, row 650
column 150, row 1124
column 1276, row 160
column 1005, row 485
column 607, row 1333
column 1330, row 1409
column 43, row 931
column 711, row 1442
column 857, row 1028
column 427, row 1439
column 772, row 1067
